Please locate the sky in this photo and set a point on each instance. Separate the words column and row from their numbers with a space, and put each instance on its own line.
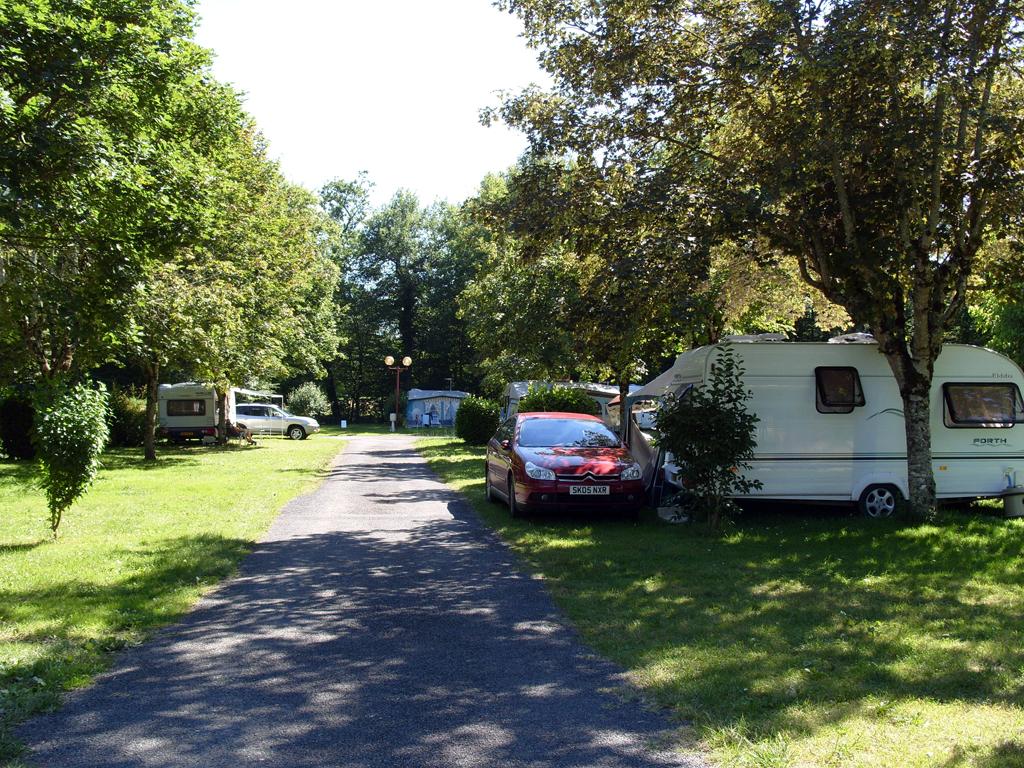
column 390, row 87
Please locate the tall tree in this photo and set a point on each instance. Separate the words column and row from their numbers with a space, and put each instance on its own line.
column 874, row 142
column 169, row 330
column 87, row 190
column 635, row 267
column 454, row 249
column 391, row 260
column 346, row 202
column 403, row 268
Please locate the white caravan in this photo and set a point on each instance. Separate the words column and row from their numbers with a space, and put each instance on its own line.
column 189, row 411
column 831, row 421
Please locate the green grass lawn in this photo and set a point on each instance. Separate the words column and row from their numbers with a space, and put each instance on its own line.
column 134, row 553
column 802, row 639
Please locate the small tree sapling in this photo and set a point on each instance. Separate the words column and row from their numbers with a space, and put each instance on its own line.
column 712, row 435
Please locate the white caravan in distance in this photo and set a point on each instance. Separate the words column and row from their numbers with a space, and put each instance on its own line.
column 190, row 411
column 832, row 428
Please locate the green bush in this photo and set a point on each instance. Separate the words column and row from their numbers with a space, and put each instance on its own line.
column 127, row 418
column 70, row 434
column 476, row 421
column 712, row 436
column 568, row 399
column 308, row 400
column 16, row 416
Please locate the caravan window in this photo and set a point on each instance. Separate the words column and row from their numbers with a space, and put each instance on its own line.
column 186, row 407
column 838, row 390
column 982, row 405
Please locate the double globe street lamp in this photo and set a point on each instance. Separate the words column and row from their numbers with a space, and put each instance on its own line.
column 389, row 361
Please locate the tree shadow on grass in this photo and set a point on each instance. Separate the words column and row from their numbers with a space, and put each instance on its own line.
column 168, row 456
column 127, row 458
column 156, row 588
column 791, row 625
column 21, row 546
column 800, row 618
column 1006, row 754
column 18, row 471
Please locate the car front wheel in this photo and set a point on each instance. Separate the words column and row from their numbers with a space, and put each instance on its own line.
column 488, row 490
column 513, row 506
column 296, row 432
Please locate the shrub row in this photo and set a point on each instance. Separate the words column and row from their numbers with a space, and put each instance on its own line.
column 476, row 420
column 568, row 399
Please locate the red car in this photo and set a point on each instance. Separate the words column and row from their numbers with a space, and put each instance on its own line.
column 560, row 461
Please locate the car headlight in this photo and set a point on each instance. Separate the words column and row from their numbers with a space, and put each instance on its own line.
column 632, row 472
column 539, row 473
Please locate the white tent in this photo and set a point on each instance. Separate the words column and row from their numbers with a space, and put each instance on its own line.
column 660, row 385
column 257, row 393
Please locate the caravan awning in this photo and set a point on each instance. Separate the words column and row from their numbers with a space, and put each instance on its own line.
column 658, row 387
column 254, row 393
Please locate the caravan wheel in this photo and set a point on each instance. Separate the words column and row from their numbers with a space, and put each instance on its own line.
column 879, row 500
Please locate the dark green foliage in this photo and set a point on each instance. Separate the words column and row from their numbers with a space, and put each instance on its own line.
column 70, row 433
column 712, row 435
column 308, row 400
column 16, row 417
column 557, row 398
column 127, row 418
column 403, row 267
column 476, row 421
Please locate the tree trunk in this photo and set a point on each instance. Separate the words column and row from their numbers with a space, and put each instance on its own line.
column 152, row 381
column 915, row 387
column 920, row 474
column 222, row 407
column 623, row 406
column 332, row 394
column 715, row 513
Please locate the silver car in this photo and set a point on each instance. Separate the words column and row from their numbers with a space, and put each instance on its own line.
column 267, row 419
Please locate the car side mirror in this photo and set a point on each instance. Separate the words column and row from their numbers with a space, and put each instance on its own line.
column 506, row 445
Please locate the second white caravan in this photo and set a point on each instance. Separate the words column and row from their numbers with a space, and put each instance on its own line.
column 832, row 429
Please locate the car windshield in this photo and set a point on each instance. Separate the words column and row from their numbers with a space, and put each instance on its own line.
column 566, row 433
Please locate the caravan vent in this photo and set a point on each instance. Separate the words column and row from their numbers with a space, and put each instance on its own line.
column 754, row 337
column 853, row 338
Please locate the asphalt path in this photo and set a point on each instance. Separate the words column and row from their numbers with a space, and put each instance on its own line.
column 379, row 623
